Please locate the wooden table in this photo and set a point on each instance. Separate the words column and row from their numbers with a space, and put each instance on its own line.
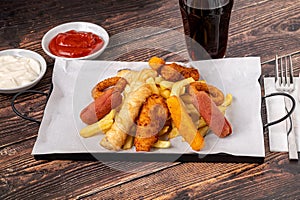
column 258, row 28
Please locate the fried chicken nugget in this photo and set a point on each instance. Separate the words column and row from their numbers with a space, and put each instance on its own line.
column 174, row 72
column 156, row 63
column 152, row 118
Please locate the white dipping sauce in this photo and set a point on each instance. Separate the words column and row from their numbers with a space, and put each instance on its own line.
column 17, row 71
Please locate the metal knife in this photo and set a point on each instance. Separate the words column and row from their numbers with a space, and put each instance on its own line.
column 290, row 128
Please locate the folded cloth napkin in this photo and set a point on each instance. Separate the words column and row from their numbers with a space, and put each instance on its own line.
column 275, row 110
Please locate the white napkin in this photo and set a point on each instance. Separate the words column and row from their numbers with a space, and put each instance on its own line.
column 275, row 110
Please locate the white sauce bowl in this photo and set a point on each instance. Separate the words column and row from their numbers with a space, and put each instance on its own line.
column 27, row 54
column 77, row 26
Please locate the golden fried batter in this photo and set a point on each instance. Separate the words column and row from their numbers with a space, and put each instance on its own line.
column 119, row 84
column 152, row 119
column 174, row 72
column 115, row 138
column 156, row 63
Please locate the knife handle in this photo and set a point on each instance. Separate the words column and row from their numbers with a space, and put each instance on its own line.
column 292, row 145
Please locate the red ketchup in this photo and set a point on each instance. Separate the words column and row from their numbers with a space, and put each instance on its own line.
column 74, row 44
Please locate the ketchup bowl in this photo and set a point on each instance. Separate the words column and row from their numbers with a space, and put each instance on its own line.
column 75, row 40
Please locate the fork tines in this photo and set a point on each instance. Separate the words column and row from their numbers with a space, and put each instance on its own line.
column 284, row 78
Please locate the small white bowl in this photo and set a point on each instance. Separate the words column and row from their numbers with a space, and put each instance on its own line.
column 77, row 26
column 27, row 54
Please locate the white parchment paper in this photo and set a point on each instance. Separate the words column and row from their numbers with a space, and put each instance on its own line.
column 73, row 81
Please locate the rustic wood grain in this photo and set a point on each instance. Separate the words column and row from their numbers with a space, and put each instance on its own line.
column 13, row 128
column 262, row 29
column 257, row 28
column 214, row 181
column 28, row 177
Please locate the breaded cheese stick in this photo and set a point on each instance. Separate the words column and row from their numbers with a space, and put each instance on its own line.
column 115, row 138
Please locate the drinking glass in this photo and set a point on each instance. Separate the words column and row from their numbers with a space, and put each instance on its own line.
column 206, row 24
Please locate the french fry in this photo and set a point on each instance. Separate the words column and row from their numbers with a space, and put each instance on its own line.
column 158, row 79
column 90, row 130
column 187, row 98
column 173, row 133
column 166, row 84
column 178, row 88
column 202, row 123
column 102, row 125
column 153, row 86
column 190, row 108
column 184, row 123
column 204, row 130
column 161, row 144
column 128, row 143
column 165, row 93
column 163, row 131
column 228, row 100
column 222, row 109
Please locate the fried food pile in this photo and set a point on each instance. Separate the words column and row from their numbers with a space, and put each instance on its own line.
column 148, row 108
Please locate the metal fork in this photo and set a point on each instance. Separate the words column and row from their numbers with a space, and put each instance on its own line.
column 284, row 82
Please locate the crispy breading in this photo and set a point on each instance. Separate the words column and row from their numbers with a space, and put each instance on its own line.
column 156, row 63
column 152, row 118
column 118, row 83
column 115, row 138
column 174, row 72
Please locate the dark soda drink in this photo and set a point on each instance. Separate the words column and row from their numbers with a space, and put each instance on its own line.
column 206, row 24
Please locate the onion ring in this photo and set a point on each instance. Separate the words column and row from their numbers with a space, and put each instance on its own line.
column 215, row 94
column 118, row 84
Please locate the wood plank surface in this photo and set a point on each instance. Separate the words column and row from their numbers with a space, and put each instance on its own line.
column 140, row 29
column 26, row 178
column 215, row 181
